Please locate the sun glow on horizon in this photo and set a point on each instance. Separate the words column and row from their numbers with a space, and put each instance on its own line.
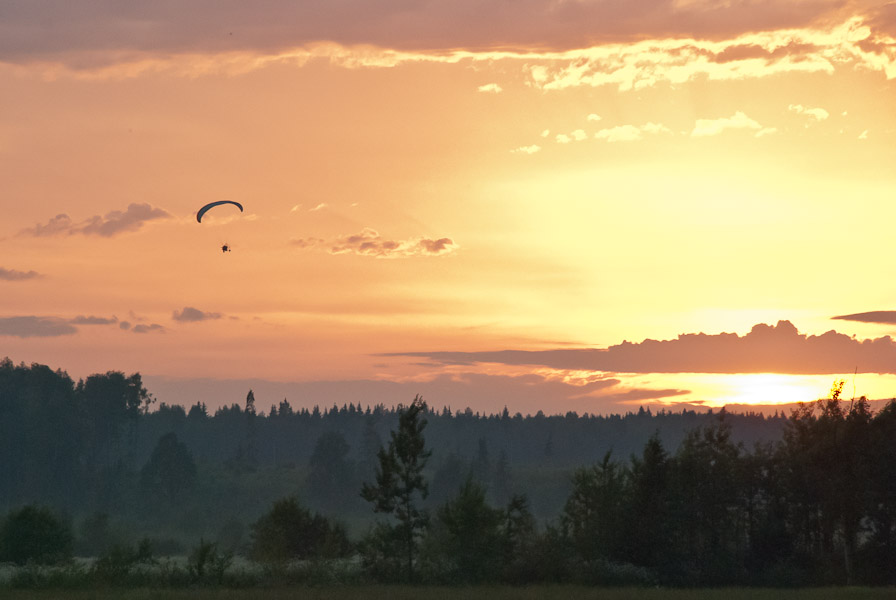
column 766, row 389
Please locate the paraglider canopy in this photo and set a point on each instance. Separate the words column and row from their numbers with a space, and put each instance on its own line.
column 205, row 208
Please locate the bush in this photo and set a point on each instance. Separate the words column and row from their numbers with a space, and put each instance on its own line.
column 290, row 532
column 33, row 534
column 116, row 565
column 207, row 565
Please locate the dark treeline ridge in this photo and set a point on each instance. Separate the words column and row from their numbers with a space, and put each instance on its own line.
column 678, row 498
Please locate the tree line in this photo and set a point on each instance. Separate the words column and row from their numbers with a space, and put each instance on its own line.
column 713, row 499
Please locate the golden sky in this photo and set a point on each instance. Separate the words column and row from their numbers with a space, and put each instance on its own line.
column 575, row 205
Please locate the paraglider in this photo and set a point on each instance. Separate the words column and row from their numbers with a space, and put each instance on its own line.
column 206, row 208
column 225, row 247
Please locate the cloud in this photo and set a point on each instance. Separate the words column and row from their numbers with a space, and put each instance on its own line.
column 765, row 349
column 191, row 315
column 14, row 275
column 92, row 320
column 709, row 127
column 747, row 55
column 491, row 88
column 113, row 223
column 630, row 133
column 875, row 316
column 593, row 117
column 154, row 327
column 92, row 34
column 370, row 243
column 636, row 395
column 320, row 206
column 576, row 136
column 117, row 221
column 31, row 326
column 310, row 242
column 559, row 43
column 59, row 225
column 819, row 114
column 527, row 149
column 524, row 393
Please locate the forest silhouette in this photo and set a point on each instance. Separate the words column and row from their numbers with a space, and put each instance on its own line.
column 415, row 493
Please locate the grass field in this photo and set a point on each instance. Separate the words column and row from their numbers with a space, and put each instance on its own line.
column 452, row 593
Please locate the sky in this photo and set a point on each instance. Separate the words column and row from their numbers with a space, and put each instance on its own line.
column 587, row 205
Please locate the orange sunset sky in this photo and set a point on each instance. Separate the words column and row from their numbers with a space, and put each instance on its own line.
column 556, row 205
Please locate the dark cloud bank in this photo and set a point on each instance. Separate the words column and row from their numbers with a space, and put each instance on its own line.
column 765, row 349
column 85, row 33
column 527, row 394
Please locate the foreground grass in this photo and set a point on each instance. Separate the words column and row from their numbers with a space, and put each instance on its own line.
column 376, row 592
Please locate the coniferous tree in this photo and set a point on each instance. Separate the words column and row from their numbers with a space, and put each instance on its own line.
column 170, row 471
column 648, row 507
column 468, row 537
column 593, row 515
column 331, row 473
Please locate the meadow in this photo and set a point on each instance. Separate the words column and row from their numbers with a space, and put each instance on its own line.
column 383, row 592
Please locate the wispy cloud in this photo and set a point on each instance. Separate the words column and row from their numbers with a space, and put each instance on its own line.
column 677, row 60
column 491, row 88
column 320, row 206
column 49, row 326
column 92, row 320
column 370, row 243
column 150, row 328
column 630, row 133
column 875, row 316
column 191, row 315
column 14, row 275
column 111, row 224
column 709, row 127
column 531, row 149
column 765, row 349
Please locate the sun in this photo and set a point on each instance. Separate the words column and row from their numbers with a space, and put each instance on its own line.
column 767, row 388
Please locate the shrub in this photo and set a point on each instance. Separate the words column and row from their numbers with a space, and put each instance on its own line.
column 289, row 531
column 33, row 534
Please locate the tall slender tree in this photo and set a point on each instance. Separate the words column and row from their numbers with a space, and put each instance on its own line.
column 400, row 486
